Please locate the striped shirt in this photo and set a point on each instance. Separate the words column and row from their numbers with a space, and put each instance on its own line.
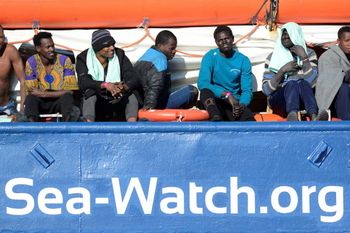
column 307, row 73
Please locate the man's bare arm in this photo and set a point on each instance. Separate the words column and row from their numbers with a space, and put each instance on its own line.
column 19, row 71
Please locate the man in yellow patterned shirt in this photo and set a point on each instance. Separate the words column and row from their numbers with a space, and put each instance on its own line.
column 50, row 81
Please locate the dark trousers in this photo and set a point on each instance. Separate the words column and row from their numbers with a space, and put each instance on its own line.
column 97, row 108
column 342, row 102
column 294, row 96
column 34, row 106
column 222, row 107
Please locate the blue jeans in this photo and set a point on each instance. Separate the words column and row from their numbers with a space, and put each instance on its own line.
column 294, row 96
column 182, row 97
column 342, row 102
column 9, row 109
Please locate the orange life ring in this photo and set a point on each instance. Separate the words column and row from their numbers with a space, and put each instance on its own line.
column 174, row 115
column 274, row 117
column 268, row 117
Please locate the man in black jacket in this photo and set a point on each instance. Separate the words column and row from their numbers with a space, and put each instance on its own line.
column 107, row 78
column 152, row 68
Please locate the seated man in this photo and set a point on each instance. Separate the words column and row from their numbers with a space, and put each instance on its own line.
column 155, row 80
column 50, row 81
column 332, row 87
column 9, row 59
column 290, row 72
column 225, row 80
column 106, row 78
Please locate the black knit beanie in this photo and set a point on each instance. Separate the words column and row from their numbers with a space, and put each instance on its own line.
column 101, row 38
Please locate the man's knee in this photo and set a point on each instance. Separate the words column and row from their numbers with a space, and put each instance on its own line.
column 31, row 98
column 344, row 88
column 194, row 92
column 292, row 89
column 192, row 95
column 66, row 103
column 293, row 84
column 193, row 89
column 90, row 100
column 132, row 99
column 67, row 97
column 206, row 93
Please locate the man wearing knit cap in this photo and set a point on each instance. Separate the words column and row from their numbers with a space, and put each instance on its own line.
column 107, row 79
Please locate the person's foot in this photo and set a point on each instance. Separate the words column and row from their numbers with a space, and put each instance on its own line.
column 322, row 116
column 216, row 118
column 132, row 119
column 314, row 117
column 19, row 117
column 32, row 119
column 292, row 116
column 74, row 114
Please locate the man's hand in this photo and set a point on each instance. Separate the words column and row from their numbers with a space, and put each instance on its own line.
column 347, row 77
column 232, row 100
column 237, row 110
column 48, row 94
column 114, row 89
column 119, row 85
column 125, row 87
column 37, row 92
column 290, row 67
column 299, row 51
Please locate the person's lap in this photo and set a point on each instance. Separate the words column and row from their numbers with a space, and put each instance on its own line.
column 182, row 97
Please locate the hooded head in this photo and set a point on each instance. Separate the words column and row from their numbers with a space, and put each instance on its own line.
column 295, row 35
column 291, row 34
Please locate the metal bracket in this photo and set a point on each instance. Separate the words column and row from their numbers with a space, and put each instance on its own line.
column 319, row 155
column 42, row 156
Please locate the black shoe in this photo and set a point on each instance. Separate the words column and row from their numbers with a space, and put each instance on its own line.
column 216, row 118
column 143, row 119
column 292, row 116
column 322, row 115
column 314, row 117
column 19, row 117
column 75, row 114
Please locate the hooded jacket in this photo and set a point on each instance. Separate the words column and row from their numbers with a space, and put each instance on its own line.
column 332, row 67
column 152, row 69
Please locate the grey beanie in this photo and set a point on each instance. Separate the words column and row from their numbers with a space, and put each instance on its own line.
column 101, row 38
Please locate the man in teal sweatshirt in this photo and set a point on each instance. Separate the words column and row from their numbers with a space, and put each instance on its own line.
column 225, row 80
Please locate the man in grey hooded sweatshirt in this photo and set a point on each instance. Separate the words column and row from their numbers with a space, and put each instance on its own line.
column 332, row 87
